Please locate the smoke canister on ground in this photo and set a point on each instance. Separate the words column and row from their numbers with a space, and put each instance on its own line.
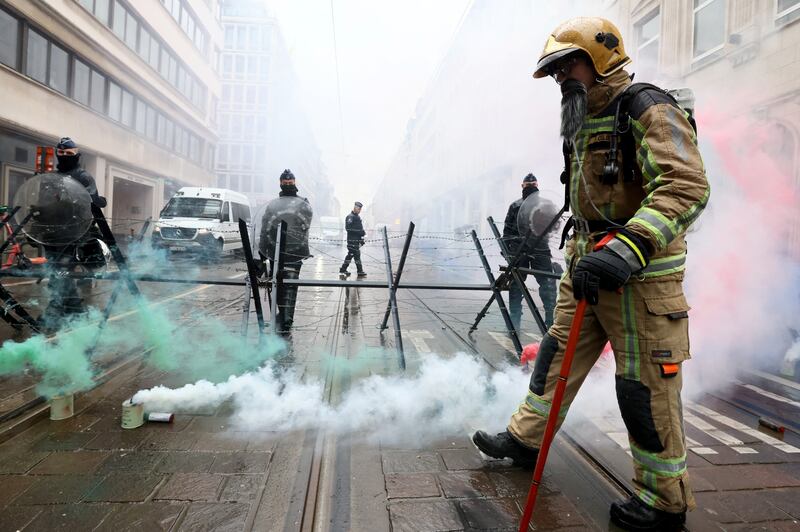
column 159, row 417
column 62, row 407
column 132, row 415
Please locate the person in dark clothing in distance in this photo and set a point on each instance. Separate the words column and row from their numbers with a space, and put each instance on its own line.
column 355, row 239
column 538, row 258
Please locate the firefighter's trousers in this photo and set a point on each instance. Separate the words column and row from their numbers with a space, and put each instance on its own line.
column 647, row 327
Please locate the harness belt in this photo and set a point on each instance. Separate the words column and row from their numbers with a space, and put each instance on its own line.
column 585, row 227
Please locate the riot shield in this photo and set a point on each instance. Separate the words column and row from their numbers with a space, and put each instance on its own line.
column 61, row 208
column 297, row 213
column 536, row 215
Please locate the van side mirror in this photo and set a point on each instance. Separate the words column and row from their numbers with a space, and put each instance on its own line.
column 226, row 217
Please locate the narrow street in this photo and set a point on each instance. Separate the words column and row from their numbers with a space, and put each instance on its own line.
column 203, row 472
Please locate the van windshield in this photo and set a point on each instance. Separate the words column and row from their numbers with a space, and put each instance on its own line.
column 182, row 207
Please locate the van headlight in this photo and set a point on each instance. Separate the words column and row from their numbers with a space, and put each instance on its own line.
column 156, row 229
column 203, row 231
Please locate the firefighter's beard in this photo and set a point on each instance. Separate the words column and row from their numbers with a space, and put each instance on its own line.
column 574, row 102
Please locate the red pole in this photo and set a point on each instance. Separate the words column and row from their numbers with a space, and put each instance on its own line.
column 552, row 418
column 558, row 398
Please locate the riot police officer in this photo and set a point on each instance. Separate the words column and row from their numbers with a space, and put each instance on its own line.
column 66, row 256
column 538, row 258
column 355, row 239
column 297, row 213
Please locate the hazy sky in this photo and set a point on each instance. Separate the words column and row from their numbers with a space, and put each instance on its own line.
column 387, row 50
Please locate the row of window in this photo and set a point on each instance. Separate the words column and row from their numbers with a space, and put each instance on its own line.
column 239, row 156
column 238, row 96
column 245, row 66
column 139, row 38
column 248, row 37
column 242, row 126
column 242, row 182
column 188, row 23
column 50, row 64
column 709, row 31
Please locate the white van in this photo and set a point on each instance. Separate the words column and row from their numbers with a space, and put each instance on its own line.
column 331, row 228
column 204, row 220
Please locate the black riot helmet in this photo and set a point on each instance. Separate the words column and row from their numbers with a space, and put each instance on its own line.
column 287, row 174
column 67, row 154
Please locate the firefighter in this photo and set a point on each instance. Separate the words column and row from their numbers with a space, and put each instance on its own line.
column 355, row 239
column 297, row 213
column 649, row 192
column 537, row 259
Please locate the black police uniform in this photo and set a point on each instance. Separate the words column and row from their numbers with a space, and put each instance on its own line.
column 538, row 258
column 355, row 239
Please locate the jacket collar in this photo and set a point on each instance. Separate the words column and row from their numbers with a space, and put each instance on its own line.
column 602, row 94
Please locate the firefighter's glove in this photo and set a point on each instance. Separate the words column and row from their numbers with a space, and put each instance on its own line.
column 608, row 268
column 503, row 281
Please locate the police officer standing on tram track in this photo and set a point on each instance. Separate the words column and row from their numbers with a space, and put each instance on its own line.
column 64, row 257
column 636, row 183
column 355, row 239
column 296, row 212
column 538, row 258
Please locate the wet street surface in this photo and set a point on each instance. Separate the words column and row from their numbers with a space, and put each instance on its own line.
column 203, row 472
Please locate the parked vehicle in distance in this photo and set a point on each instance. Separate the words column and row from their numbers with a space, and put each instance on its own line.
column 332, row 229
column 202, row 220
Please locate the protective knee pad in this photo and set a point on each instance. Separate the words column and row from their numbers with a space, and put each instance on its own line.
column 634, row 405
column 547, row 351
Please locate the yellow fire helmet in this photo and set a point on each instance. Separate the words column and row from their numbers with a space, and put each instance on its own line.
column 596, row 36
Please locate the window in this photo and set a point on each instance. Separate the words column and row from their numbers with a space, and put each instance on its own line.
column 234, row 182
column 36, row 64
column 253, row 38
column 647, row 37
column 155, row 51
column 87, row 5
column 118, row 25
column 127, row 108
column 709, row 27
column 241, row 37
column 59, row 68
column 114, row 101
column 97, row 96
column 144, row 43
column 786, row 11
column 161, row 131
column 194, row 149
column 102, row 10
column 9, row 39
column 80, row 81
column 164, row 65
column 151, row 123
column 140, row 121
column 131, row 27
column 169, row 130
column 230, row 35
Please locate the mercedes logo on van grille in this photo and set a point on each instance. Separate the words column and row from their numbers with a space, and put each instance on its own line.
column 178, row 233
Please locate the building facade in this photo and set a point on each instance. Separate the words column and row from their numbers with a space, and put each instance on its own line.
column 742, row 60
column 133, row 83
column 262, row 127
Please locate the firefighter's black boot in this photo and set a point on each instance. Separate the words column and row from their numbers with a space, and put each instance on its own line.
column 633, row 514
column 504, row 445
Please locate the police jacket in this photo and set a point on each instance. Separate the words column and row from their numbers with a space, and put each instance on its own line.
column 354, row 227
column 85, row 178
column 668, row 188
column 296, row 211
column 511, row 235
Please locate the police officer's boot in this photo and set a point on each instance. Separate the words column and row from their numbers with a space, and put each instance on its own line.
column 633, row 514
column 503, row 445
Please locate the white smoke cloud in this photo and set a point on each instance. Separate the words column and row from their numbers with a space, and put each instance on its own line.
column 444, row 398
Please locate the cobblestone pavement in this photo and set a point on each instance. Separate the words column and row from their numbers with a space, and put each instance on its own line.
column 198, row 473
